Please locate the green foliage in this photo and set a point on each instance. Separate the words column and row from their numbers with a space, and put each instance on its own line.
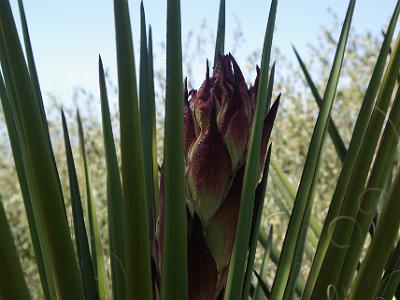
column 137, row 264
column 12, row 281
column 174, row 260
column 321, row 244
column 237, row 265
column 114, row 194
column 81, row 240
column 42, row 176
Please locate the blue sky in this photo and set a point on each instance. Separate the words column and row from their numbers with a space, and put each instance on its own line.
column 67, row 36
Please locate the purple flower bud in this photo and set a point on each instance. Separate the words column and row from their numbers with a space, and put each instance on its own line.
column 217, row 124
column 209, row 169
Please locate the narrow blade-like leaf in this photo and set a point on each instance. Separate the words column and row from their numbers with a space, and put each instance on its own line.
column 137, row 242
column 274, row 256
column 333, row 130
column 220, row 41
column 94, row 233
column 12, row 281
column 174, row 262
column 258, row 293
column 258, row 208
column 237, row 265
column 289, row 194
column 353, row 149
column 81, row 240
column 335, row 254
column 263, row 285
column 19, row 166
column 391, row 279
column 381, row 247
column 114, row 195
column 31, row 61
column 44, row 181
column 34, row 77
column 146, row 120
column 304, row 198
column 369, row 199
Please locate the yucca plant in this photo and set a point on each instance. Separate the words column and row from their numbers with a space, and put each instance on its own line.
column 189, row 227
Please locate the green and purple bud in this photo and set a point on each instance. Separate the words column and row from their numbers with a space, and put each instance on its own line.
column 217, row 125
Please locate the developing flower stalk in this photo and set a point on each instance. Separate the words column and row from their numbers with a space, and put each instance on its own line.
column 217, row 126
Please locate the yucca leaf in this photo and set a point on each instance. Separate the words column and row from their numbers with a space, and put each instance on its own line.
column 354, row 147
column 35, row 81
column 137, row 243
column 34, row 77
column 285, row 180
column 278, row 200
column 368, row 201
column 263, row 285
column 274, row 256
column 335, row 253
column 7, row 73
column 300, row 248
column 220, row 40
column 258, row 208
column 303, row 203
column 28, row 50
column 146, row 119
column 31, row 61
column 289, row 191
column 258, row 292
column 174, row 283
column 381, row 247
column 12, row 281
column 391, row 278
column 114, row 195
column 18, row 147
column 18, row 160
column 238, row 259
column 81, row 240
column 43, row 181
column 152, row 103
column 333, row 130
column 94, row 233
column 311, row 239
